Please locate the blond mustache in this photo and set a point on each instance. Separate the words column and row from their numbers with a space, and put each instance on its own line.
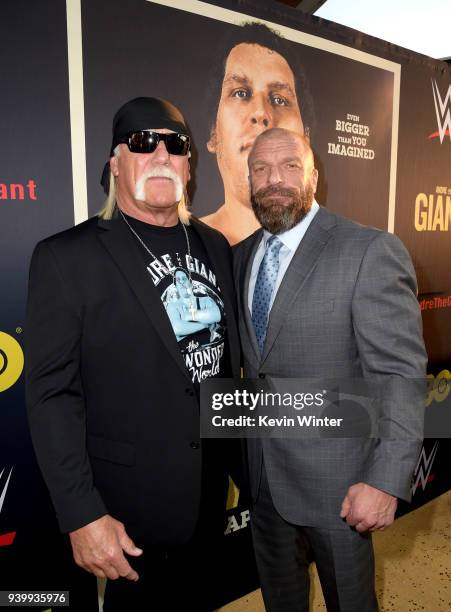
column 158, row 172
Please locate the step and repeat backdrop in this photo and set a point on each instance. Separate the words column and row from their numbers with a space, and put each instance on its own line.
column 379, row 121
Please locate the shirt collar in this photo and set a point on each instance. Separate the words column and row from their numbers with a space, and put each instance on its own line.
column 292, row 237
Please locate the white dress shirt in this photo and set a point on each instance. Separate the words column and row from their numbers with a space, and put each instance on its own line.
column 291, row 239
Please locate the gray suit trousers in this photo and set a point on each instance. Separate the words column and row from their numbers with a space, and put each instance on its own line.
column 344, row 560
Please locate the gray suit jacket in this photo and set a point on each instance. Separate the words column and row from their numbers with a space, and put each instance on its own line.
column 346, row 308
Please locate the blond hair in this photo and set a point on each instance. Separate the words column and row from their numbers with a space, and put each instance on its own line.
column 109, row 209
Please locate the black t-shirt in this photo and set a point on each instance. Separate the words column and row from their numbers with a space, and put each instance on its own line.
column 190, row 295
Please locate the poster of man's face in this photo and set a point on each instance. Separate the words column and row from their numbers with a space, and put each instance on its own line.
column 254, row 89
column 234, row 77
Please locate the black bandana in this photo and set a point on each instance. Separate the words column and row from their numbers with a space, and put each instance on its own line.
column 142, row 114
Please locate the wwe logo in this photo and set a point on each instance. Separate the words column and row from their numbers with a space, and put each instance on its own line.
column 423, row 468
column 443, row 111
column 5, row 538
column 5, row 487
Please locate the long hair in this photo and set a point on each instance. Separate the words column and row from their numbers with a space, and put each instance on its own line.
column 109, row 210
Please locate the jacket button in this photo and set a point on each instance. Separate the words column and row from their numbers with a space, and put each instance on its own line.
column 194, row 445
column 261, row 375
column 189, row 391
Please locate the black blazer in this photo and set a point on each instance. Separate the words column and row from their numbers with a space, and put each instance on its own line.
column 113, row 413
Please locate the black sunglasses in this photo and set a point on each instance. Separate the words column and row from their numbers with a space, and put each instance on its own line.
column 146, row 141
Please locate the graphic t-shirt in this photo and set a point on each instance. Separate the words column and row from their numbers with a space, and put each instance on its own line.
column 190, row 295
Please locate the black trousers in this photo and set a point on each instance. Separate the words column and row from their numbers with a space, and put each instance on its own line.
column 184, row 577
column 169, row 580
column 344, row 560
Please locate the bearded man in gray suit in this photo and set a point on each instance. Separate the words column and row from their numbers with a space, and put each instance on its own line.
column 321, row 296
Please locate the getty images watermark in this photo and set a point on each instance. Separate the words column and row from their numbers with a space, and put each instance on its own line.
column 390, row 407
column 243, row 398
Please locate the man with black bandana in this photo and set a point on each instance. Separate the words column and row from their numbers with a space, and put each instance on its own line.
column 127, row 314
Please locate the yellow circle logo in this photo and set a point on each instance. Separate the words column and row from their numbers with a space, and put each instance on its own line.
column 11, row 361
column 439, row 386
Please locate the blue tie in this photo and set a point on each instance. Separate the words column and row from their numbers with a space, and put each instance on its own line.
column 264, row 286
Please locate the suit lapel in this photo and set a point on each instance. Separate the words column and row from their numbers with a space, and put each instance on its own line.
column 123, row 248
column 248, row 259
column 301, row 266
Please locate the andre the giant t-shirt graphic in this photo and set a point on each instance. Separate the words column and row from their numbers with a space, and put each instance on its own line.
column 190, row 295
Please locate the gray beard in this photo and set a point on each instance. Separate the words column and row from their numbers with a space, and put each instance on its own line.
column 278, row 218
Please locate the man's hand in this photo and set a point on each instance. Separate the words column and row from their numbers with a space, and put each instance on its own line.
column 367, row 508
column 98, row 548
